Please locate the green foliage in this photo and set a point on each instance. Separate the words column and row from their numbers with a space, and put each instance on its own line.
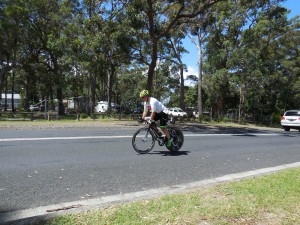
column 83, row 116
column 191, row 96
column 250, row 42
column 111, row 50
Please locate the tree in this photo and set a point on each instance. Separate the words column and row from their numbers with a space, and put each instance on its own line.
column 153, row 20
column 256, row 63
column 12, row 14
column 233, row 47
column 63, row 48
column 176, row 51
column 43, row 63
column 199, row 27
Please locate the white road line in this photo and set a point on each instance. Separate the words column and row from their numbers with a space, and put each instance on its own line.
column 240, row 134
column 62, row 138
column 32, row 214
column 126, row 136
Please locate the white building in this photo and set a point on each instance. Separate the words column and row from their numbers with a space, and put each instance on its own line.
column 8, row 97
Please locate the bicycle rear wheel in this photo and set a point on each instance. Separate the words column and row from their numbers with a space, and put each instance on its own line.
column 143, row 141
column 178, row 139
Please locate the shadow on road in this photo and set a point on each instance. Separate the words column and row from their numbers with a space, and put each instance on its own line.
column 203, row 129
column 169, row 153
column 42, row 219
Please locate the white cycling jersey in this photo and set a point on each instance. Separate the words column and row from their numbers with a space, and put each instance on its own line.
column 153, row 105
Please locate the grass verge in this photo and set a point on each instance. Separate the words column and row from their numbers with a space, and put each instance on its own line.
column 269, row 199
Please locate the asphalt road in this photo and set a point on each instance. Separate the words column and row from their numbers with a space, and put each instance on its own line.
column 41, row 167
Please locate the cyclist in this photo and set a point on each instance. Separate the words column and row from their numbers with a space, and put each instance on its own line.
column 157, row 113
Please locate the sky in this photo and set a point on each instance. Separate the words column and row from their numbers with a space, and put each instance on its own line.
column 190, row 59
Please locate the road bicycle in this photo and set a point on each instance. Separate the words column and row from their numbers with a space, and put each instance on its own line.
column 144, row 138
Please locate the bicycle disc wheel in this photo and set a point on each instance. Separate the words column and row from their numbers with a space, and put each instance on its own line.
column 178, row 139
column 143, row 141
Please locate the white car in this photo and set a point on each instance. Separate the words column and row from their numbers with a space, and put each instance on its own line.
column 177, row 112
column 34, row 108
column 196, row 114
column 291, row 120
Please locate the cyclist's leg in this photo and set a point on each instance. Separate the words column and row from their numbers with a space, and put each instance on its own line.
column 163, row 124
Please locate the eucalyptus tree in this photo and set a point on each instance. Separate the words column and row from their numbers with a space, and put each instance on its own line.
column 286, row 79
column 153, row 20
column 217, row 51
column 72, row 41
column 106, row 45
column 12, row 14
column 129, row 83
column 256, row 63
column 199, row 27
column 238, row 48
column 92, row 58
column 117, row 45
column 5, row 45
column 166, row 80
column 43, row 49
column 176, row 50
column 23, row 47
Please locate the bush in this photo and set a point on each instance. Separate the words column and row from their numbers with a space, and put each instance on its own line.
column 83, row 116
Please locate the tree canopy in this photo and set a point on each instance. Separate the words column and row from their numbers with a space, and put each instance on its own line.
column 109, row 50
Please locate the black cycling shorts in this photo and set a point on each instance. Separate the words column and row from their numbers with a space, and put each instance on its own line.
column 162, row 117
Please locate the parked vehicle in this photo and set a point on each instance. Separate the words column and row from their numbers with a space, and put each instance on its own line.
column 34, row 108
column 137, row 111
column 291, row 120
column 78, row 104
column 196, row 114
column 177, row 112
column 102, row 107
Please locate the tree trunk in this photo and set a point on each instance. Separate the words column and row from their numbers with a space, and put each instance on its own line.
column 241, row 105
column 12, row 91
column 200, row 55
column 182, row 105
column 110, row 84
column 13, row 78
column 59, row 83
column 3, row 75
column 59, row 95
column 93, row 91
column 152, row 65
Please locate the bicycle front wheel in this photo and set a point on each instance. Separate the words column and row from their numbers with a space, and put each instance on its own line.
column 143, row 141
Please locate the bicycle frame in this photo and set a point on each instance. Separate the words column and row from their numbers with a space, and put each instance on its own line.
column 154, row 128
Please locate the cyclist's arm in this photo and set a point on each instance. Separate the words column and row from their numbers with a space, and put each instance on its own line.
column 152, row 115
column 144, row 115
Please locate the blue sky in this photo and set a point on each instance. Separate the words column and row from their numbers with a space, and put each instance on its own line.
column 190, row 59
